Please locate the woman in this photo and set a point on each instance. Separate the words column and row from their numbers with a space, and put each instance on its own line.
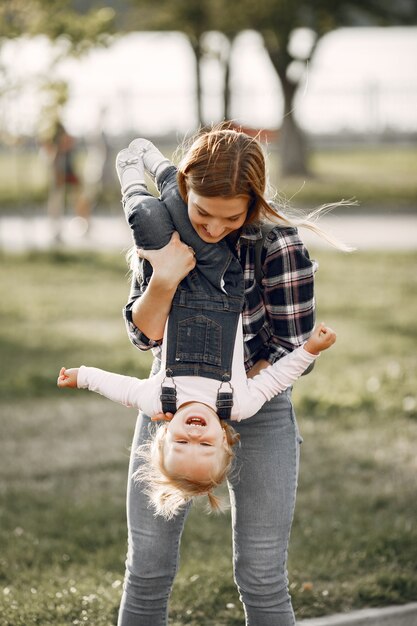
column 222, row 179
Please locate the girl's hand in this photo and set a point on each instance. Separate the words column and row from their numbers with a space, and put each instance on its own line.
column 322, row 338
column 171, row 263
column 68, row 378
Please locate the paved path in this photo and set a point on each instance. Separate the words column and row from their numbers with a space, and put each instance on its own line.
column 390, row 232
column 405, row 615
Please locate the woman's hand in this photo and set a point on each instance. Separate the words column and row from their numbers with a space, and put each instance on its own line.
column 171, row 263
column 322, row 338
column 68, row 378
column 255, row 369
column 162, row 417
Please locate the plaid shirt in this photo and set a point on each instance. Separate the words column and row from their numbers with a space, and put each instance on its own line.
column 278, row 316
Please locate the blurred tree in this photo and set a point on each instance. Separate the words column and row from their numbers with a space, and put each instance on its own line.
column 278, row 21
column 191, row 17
column 76, row 30
column 58, row 19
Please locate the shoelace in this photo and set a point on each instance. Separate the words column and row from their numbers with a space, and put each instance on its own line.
column 129, row 161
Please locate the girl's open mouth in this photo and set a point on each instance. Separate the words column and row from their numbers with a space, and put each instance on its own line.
column 196, row 421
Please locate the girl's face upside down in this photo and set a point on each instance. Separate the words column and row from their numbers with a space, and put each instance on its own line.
column 195, row 443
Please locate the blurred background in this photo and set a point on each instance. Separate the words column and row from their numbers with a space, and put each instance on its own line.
column 330, row 88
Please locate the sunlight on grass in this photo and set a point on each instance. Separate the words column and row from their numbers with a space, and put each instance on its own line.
column 379, row 176
column 64, row 455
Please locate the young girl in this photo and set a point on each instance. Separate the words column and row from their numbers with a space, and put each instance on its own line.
column 196, row 381
column 195, row 449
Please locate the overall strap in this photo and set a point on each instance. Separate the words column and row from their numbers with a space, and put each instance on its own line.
column 224, row 401
column 168, row 395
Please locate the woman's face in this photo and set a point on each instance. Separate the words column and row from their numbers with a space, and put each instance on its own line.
column 214, row 218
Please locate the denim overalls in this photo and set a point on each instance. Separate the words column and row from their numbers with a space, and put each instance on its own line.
column 205, row 310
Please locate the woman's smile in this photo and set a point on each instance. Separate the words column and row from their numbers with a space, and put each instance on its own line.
column 215, row 218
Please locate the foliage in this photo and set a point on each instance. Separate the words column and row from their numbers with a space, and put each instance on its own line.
column 276, row 21
column 58, row 20
column 74, row 33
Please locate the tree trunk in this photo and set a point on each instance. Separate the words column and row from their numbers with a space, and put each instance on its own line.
column 227, row 91
column 195, row 44
column 292, row 141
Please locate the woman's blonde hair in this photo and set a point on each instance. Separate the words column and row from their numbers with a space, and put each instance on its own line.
column 168, row 493
column 223, row 161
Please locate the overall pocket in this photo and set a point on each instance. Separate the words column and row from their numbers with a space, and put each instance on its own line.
column 199, row 339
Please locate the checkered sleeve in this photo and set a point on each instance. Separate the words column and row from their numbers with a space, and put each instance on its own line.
column 288, row 291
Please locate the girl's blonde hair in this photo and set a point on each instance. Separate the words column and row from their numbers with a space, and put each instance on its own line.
column 223, row 161
column 168, row 493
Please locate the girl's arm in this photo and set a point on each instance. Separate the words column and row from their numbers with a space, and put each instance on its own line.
column 275, row 378
column 125, row 390
column 322, row 338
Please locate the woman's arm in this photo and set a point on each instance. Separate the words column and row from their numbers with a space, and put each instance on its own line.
column 288, row 291
column 149, row 308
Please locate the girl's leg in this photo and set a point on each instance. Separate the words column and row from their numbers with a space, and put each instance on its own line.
column 131, row 172
column 153, row 551
column 262, row 492
column 153, row 159
column 146, row 215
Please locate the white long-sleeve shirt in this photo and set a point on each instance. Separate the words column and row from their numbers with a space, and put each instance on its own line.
column 249, row 394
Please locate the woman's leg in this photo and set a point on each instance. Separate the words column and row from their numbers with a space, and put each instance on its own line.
column 153, row 551
column 262, row 492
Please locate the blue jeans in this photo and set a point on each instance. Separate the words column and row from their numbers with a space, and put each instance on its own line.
column 153, row 221
column 262, row 493
column 206, row 307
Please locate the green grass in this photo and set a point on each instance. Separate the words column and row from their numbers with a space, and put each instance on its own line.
column 379, row 177
column 63, row 307
column 64, row 455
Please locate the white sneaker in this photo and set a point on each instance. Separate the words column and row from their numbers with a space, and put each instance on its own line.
column 130, row 170
column 153, row 160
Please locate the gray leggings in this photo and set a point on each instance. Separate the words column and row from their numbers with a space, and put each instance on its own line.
column 262, row 499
